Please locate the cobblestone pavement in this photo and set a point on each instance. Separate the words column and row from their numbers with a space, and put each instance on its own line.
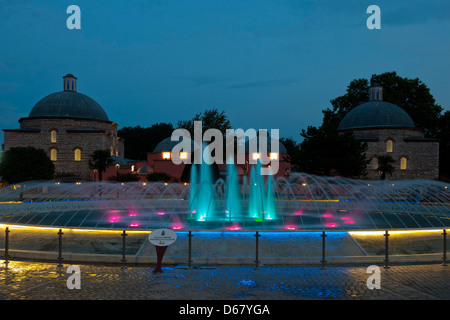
column 47, row 281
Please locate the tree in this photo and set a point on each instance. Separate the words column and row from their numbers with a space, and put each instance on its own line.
column 23, row 164
column 139, row 141
column 292, row 149
column 100, row 160
column 385, row 165
column 211, row 119
column 444, row 145
column 326, row 151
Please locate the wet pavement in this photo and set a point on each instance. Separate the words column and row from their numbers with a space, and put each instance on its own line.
column 47, row 281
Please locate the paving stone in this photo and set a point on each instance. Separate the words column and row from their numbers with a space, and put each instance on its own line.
column 46, row 281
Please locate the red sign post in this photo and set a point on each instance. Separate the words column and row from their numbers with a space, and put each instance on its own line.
column 161, row 239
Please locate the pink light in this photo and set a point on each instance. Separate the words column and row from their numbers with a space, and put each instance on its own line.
column 134, row 224
column 330, row 225
column 194, row 211
column 327, row 215
column 114, row 219
column 236, row 227
column 290, row 228
column 345, row 218
column 160, row 213
column 177, row 227
column 349, row 222
column 132, row 214
column 298, row 213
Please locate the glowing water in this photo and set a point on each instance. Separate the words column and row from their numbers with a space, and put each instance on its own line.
column 233, row 207
column 261, row 198
column 202, row 194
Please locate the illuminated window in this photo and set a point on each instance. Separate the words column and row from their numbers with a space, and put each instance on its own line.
column 166, row 155
column 389, row 146
column 77, row 154
column 132, row 168
column 53, row 136
column 255, row 156
column 53, row 155
column 183, row 155
column 403, row 163
column 274, row 156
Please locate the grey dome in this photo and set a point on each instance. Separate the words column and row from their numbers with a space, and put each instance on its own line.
column 69, row 104
column 167, row 145
column 376, row 114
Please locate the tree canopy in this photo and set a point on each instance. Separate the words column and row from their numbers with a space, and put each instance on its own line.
column 139, row 141
column 325, row 151
column 20, row 164
column 99, row 161
column 211, row 119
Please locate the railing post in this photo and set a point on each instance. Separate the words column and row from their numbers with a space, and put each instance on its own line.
column 386, row 249
column 257, row 250
column 190, row 249
column 60, row 258
column 6, row 247
column 444, row 248
column 323, row 250
column 124, row 247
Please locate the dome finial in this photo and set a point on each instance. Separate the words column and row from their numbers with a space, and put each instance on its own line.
column 375, row 92
column 70, row 82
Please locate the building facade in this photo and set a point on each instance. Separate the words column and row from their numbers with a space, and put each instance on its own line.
column 69, row 126
column 389, row 130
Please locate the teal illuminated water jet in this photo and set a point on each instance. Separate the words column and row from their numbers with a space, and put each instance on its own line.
column 233, row 206
column 202, row 195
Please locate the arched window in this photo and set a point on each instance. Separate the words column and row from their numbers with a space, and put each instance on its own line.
column 389, row 146
column 53, row 136
column 403, row 163
column 53, row 155
column 77, row 154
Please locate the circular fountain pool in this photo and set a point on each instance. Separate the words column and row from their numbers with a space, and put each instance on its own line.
column 304, row 203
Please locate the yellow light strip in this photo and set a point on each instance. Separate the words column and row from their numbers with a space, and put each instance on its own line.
column 392, row 232
column 13, row 226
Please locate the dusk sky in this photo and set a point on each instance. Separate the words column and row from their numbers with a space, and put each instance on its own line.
column 269, row 64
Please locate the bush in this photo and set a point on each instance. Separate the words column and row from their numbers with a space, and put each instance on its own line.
column 124, row 177
column 160, row 177
column 24, row 164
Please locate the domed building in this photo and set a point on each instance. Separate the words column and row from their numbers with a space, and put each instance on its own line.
column 389, row 130
column 69, row 126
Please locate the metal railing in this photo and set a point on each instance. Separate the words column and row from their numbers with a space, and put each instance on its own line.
column 190, row 235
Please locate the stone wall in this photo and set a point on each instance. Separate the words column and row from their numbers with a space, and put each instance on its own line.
column 422, row 154
column 87, row 135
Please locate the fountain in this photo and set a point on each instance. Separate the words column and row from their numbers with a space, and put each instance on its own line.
column 254, row 202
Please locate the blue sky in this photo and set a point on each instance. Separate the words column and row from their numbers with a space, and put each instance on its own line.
column 272, row 64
